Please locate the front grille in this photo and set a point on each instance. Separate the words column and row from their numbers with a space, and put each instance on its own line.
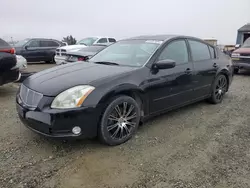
column 245, row 54
column 29, row 97
column 61, row 52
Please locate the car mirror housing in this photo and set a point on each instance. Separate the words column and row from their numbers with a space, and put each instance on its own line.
column 237, row 46
column 165, row 64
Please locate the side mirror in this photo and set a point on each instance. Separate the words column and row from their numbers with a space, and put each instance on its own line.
column 26, row 47
column 237, row 45
column 164, row 64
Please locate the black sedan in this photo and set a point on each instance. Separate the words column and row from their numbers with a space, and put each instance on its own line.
column 123, row 85
column 83, row 54
column 8, row 60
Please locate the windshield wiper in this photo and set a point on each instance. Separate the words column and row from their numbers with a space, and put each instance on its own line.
column 106, row 63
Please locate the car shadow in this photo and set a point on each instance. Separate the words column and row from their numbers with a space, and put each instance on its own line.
column 244, row 73
column 67, row 146
column 8, row 90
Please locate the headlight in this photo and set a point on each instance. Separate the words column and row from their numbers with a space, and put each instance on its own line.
column 235, row 55
column 72, row 98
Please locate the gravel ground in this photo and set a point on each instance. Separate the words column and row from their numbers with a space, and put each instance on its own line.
column 201, row 145
column 35, row 67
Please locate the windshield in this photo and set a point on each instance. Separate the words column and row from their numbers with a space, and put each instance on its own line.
column 128, row 52
column 87, row 41
column 21, row 43
column 246, row 43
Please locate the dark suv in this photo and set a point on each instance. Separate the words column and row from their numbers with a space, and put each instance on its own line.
column 7, row 63
column 38, row 49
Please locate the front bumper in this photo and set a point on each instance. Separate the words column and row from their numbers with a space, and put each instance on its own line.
column 59, row 123
column 59, row 59
column 241, row 63
column 9, row 76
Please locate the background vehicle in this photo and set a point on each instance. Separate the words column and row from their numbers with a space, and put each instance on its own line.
column 228, row 49
column 83, row 54
column 61, row 52
column 211, row 41
column 243, row 35
column 38, row 49
column 124, row 84
column 241, row 57
column 21, row 63
column 7, row 62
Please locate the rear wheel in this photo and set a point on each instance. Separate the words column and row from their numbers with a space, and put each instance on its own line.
column 219, row 89
column 51, row 61
column 119, row 121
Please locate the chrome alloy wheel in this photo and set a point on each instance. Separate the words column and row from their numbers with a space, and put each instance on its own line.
column 122, row 120
column 220, row 88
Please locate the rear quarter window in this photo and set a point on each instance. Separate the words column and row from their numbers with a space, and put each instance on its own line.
column 212, row 52
column 112, row 40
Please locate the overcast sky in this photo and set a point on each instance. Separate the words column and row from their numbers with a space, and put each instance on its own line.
column 123, row 18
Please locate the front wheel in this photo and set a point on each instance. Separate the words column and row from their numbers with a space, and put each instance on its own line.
column 119, row 121
column 219, row 89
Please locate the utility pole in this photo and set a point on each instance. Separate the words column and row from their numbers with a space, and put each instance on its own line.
column 12, row 41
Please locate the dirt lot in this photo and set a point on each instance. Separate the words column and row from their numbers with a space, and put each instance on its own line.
column 201, row 145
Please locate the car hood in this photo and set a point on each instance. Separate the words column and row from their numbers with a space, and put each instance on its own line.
column 53, row 81
column 243, row 50
column 72, row 47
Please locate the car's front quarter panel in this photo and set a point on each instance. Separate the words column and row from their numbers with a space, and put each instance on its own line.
column 135, row 81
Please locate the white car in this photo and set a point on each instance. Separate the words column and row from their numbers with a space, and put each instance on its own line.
column 61, row 51
column 21, row 63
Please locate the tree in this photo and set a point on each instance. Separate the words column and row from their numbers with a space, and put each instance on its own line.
column 69, row 39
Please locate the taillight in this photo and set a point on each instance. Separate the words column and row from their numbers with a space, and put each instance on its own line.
column 81, row 59
column 8, row 50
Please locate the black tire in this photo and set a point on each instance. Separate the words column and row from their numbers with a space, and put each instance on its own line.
column 51, row 61
column 219, row 88
column 236, row 70
column 117, row 120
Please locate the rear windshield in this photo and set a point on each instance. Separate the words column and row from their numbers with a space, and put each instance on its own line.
column 92, row 49
column 4, row 44
column 246, row 43
column 87, row 41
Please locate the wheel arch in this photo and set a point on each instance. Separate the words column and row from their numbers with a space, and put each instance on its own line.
column 226, row 73
column 127, row 89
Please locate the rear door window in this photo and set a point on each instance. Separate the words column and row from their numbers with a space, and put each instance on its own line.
column 52, row 43
column 199, row 50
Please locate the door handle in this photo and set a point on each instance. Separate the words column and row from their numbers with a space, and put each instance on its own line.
column 215, row 65
column 188, row 71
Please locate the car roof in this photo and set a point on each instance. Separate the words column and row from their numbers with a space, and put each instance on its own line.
column 42, row 39
column 159, row 37
column 153, row 37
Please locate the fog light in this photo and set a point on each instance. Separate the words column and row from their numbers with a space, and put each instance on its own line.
column 76, row 130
